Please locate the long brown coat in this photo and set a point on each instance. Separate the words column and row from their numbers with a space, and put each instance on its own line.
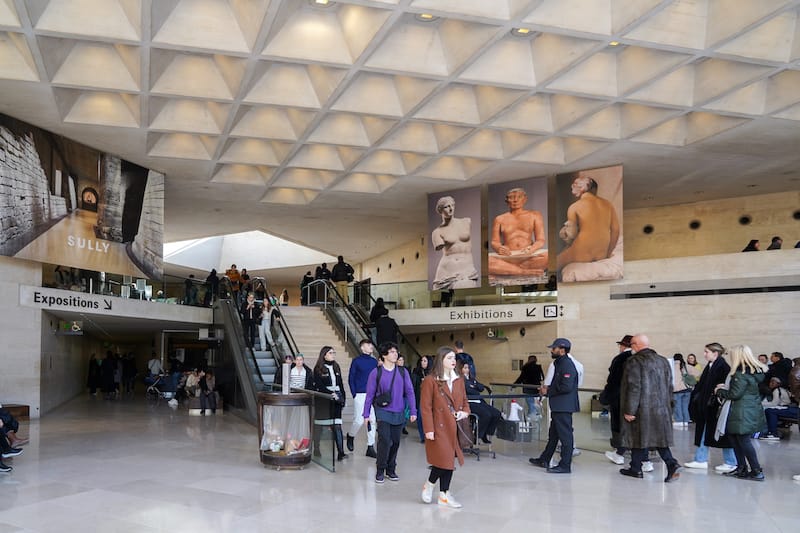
column 438, row 418
column 646, row 393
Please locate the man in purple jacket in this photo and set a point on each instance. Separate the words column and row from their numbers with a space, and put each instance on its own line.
column 394, row 380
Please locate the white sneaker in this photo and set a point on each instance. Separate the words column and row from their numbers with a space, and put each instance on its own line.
column 615, row 458
column 677, row 424
column 446, row 499
column 724, row 468
column 427, row 492
column 796, row 477
column 696, row 464
column 647, row 466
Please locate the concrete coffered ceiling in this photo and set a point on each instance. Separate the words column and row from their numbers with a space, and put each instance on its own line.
column 328, row 125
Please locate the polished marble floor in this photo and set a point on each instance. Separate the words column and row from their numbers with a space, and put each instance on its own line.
column 133, row 466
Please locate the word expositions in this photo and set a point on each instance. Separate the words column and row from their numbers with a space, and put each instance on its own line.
column 87, row 244
column 70, row 301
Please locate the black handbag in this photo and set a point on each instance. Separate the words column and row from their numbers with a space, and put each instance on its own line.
column 385, row 398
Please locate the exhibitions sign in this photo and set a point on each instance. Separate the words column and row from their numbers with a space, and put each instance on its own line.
column 485, row 314
column 86, row 304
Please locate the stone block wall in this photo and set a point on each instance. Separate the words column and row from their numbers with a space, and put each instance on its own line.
column 148, row 246
column 111, row 201
column 25, row 200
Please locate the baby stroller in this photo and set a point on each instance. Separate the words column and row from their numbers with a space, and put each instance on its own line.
column 157, row 387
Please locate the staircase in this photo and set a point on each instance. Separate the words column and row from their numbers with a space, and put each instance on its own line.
column 311, row 331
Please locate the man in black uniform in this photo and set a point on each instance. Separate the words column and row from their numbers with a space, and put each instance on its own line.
column 562, row 395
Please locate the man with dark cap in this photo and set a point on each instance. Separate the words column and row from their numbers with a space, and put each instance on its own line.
column 610, row 397
column 645, row 402
column 562, row 394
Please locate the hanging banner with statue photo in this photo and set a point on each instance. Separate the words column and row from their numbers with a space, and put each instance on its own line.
column 589, row 224
column 454, row 227
column 518, row 248
column 66, row 204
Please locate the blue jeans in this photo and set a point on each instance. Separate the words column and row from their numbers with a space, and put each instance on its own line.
column 533, row 409
column 773, row 414
column 680, row 413
column 701, row 455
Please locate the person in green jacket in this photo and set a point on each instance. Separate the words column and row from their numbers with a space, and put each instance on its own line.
column 746, row 415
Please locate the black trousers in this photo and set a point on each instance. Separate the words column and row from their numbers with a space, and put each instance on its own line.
column 560, row 430
column 488, row 417
column 743, row 448
column 249, row 332
column 388, row 443
column 615, row 419
column 639, row 455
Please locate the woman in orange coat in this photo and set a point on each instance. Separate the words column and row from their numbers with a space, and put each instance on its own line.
column 443, row 401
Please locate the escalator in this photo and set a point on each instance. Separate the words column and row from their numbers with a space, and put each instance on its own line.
column 254, row 369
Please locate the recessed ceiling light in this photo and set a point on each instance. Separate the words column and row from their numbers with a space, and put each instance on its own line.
column 522, row 32
column 613, row 43
column 425, row 17
column 321, row 3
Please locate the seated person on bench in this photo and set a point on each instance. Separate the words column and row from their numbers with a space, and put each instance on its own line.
column 9, row 427
column 488, row 416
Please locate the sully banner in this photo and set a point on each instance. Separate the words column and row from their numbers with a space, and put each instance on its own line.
column 67, row 204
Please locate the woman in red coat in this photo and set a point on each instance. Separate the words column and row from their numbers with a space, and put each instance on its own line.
column 443, row 401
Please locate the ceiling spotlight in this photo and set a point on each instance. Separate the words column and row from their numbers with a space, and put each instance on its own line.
column 613, row 43
column 321, row 3
column 425, row 17
column 521, row 32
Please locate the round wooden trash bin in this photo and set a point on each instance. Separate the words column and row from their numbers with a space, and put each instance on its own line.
column 284, row 429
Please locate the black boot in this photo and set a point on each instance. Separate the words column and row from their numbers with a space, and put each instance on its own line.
column 350, row 442
column 316, row 438
column 740, row 472
column 339, row 438
column 371, row 452
column 756, row 475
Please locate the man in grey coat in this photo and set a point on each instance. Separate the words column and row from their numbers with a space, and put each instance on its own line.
column 645, row 404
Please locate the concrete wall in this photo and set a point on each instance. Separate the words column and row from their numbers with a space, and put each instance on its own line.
column 20, row 330
column 719, row 232
column 63, row 367
column 766, row 321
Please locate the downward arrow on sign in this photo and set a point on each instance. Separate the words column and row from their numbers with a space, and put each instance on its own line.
column 108, row 304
